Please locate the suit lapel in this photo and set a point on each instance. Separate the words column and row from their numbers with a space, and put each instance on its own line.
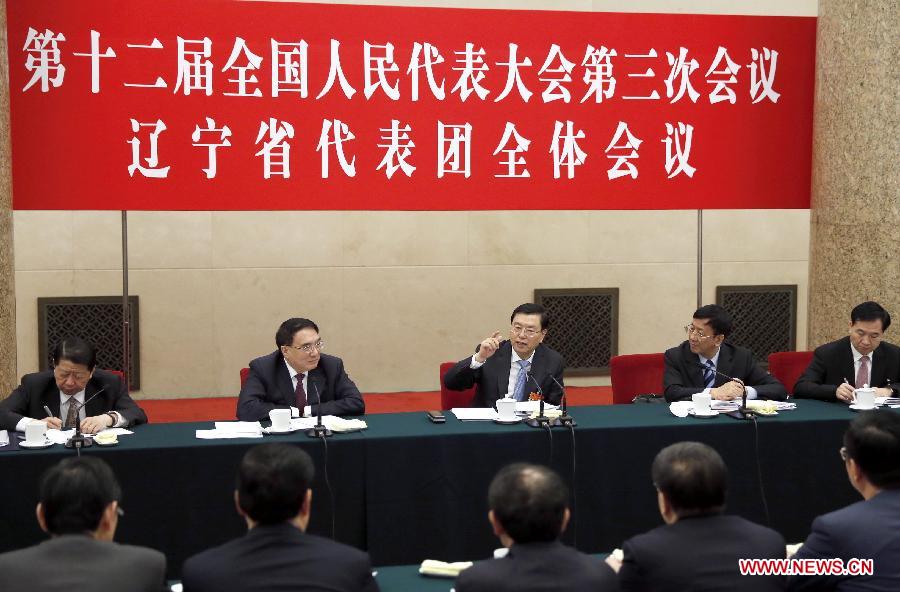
column 50, row 397
column 315, row 383
column 848, row 368
column 95, row 407
column 283, row 380
column 878, row 367
column 694, row 371
column 725, row 364
column 504, row 355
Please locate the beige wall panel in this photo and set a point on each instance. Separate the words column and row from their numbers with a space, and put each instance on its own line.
column 177, row 331
column 405, row 238
column 620, row 236
column 755, row 235
column 761, row 273
column 277, row 239
column 528, row 237
column 170, row 240
column 29, row 286
column 249, row 305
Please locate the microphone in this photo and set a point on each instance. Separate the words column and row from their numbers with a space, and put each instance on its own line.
column 565, row 419
column 78, row 440
column 318, row 430
column 540, row 420
column 743, row 412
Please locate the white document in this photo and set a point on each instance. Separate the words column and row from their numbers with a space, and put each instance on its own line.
column 60, row 436
column 532, row 406
column 225, row 430
column 474, row 413
column 332, row 422
column 224, row 435
column 116, row 431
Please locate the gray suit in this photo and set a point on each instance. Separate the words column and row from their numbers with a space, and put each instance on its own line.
column 79, row 562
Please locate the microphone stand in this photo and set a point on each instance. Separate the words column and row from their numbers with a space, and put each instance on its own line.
column 742, row 412
column 319, row 430
column 541, row 420
column 565, row 419
column 78, row 441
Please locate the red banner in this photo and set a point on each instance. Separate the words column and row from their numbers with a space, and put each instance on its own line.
column 223, row 105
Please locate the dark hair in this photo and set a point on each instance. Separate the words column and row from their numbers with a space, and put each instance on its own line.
column 871, row 311
column 75, row 492
column 530, row 308
column 529, row 501
column 287, row 330
column 873, row 441
column 692, row 476
column 718, row 318
column 75, row 350
column 272, row 482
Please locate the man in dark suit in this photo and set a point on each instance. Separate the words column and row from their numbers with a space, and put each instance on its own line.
column 79, row 508
column 861, row 358
column 699, row 547
column 512, row 367
column 64, row 391
column 705, row 363
column 867, row 529
column 298, row 376
column 529, row 510
column 273, row 495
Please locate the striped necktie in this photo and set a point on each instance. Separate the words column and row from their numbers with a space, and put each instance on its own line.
column 519, row 388
column 709, row 374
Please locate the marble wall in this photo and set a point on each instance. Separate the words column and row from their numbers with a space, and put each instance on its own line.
column 855, row 221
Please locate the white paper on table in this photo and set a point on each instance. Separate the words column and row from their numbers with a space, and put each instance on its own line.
column 4, row 437
column 116, row 431
column 224, row 435
column 332, row 422
column 532, row 406
column 241, row 427
column 887, row 401
column 474, row 413
column 60, row 436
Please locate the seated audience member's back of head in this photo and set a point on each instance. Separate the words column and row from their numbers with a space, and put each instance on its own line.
column 530, row 501
column 273, row 494
column 867, row 529
column 698, row 548
column 78, row 507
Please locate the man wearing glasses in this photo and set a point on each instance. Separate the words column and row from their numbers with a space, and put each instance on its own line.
column 56, row 397
column 706, row 363
column 299, row 377
column 861, row 358
column 512, row 367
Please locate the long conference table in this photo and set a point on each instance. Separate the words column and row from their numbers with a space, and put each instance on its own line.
column 406, row 489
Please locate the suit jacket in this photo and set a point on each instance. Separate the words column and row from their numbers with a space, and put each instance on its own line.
column 40, row 389
column 78, row 562
column 684, row 376
column 535, row 567
column 864, row 530
column 279, row 557
column 269, row 386
column 833, row 362
column 492, row 377
column 700, row 553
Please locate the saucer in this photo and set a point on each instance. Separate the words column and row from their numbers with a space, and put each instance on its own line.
column 708, row 415
column 99, row 443
column 273, row 432
column 856, row 407
column 508, row 421
column 38, row 446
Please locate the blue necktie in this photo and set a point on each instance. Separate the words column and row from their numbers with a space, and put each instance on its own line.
column 519, row 388
column 709, row 374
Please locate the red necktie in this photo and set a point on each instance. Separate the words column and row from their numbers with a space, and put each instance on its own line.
column 300, row 394
column 862, row 377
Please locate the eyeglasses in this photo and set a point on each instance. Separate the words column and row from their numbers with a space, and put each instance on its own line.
column 526, row 331
column 843, row 452
column 77, row 375
column 308, row 348
column 691, row 330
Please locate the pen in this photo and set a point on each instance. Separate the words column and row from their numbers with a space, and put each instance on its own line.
column 49, row 413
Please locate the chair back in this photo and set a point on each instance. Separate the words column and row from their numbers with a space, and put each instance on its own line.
column 451, row 399
column 245, row 372
column 788, row 366
column 636, row 374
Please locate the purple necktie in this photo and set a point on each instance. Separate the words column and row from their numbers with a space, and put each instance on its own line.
column 862, row 377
